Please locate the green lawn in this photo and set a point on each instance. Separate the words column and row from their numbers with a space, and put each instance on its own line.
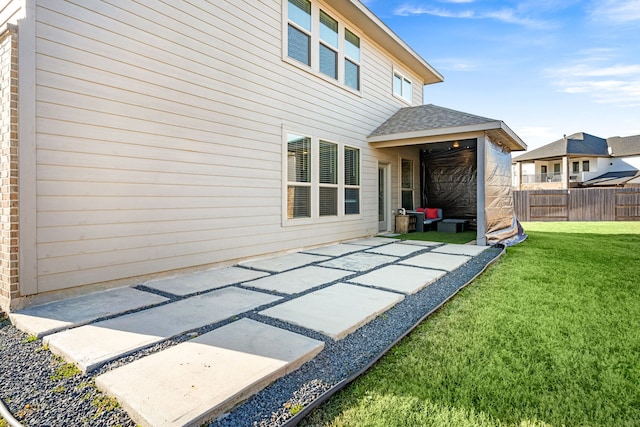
column 548, row 336
column 435, row 236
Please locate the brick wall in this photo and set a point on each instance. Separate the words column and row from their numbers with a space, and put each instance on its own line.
column 8, row 167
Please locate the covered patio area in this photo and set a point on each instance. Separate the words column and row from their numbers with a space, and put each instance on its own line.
column 465, row 166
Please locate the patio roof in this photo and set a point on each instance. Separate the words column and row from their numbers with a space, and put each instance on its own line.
column 430, row 123
column 611, row 179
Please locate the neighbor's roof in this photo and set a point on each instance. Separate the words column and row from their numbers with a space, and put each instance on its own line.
column 624, row 146
column 432, row 121
column 370, row 24
column 612, row 179
column 578, row 144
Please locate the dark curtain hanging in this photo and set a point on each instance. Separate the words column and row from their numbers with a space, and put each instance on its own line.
column 449, row 181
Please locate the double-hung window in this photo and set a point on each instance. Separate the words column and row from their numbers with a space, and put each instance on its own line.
column 402, row 87
column 351, row 181
column 351, row 60
column 299, row 31
column 407, row 184
column 328, row 45
column 298, row 176
column 585, row 166
column 328, row 191
column 318, row 42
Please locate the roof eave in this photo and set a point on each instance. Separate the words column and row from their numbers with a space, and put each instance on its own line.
column 357, row 12
column 497, row 129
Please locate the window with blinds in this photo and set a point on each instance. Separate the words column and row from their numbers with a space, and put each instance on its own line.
column 299, row 31
column 352, row 60
column 328, row 45
column 351, row 181
column 407, row 184
column 328, row 168
column 298, row 176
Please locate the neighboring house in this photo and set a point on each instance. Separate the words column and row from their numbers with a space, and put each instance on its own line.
column 579, row 160
column 141, row 138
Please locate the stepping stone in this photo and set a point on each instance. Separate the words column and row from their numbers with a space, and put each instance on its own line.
column 334, row 250
column 471, row 250
column 201, row 379
column 419, row 243
column 91, row 346
column 283, row 262
column 335, row 311
column 372, row 241
column 359, row 261
column 55, row 316
column 437, row 261
column 298, row 280
column 396, row 249
column 400, row 278
column 203, row 281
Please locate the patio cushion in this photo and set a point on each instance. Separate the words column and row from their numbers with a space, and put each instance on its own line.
column 431, row 213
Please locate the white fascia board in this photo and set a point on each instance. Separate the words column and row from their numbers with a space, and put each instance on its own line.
column 436, row 132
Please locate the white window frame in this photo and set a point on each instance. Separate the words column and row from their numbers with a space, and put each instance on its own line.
column 403, row 80
column 412, row 183
column 352, row 186
column 314, row 68
column 315, row 184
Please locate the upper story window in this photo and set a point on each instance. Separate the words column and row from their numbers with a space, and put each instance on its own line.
column 351, row 60
column 585, row 166
column 315, row 39
column 299, row 31
column 402, row 87
column 328, row 45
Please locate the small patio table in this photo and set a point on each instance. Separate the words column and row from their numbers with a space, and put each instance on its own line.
column 452, row 225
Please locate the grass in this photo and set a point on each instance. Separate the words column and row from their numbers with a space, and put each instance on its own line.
column 549, row 336
column 435, row 236
column 66, row 370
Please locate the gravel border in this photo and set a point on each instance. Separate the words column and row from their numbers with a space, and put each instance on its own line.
column 34, row 392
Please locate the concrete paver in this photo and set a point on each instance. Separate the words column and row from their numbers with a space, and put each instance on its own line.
column 395, row 249
column 284, row 262
column 91, row 346
column 335, row 250
column 49, row 318
column 298, row 280
column 418, row 243
column 471, row 250
column 187, row 284
column 371, row 241
column 437, row 261
column 198, row 380
column 359, row 261
column 400, row 278
column 335, row 311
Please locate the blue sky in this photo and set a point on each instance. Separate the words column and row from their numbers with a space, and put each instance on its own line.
column 544, row 67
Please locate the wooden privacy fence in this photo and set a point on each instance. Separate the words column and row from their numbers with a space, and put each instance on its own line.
column 587, row 204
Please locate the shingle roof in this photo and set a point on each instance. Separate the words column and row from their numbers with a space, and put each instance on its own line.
column 612, row 179
column 427, row 117
column 624, row 146
column 577, row 144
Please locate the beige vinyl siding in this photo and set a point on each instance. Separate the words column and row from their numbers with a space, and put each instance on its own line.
column 11, row 12
column 160, row 136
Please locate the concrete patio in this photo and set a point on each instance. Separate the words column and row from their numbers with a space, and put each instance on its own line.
column 329, row 291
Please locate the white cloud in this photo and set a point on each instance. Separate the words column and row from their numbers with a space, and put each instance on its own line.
column 536, row 136
column 509, row 16
column 617, row 10
column 455, row 64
